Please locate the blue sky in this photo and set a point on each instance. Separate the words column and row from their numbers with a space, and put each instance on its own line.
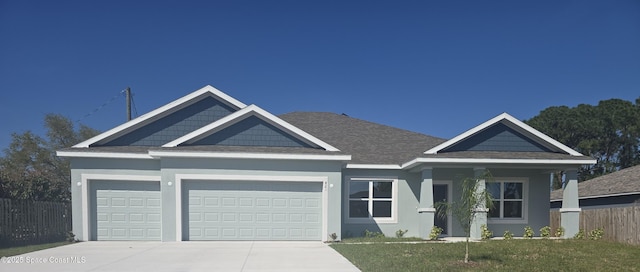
column 435, row 67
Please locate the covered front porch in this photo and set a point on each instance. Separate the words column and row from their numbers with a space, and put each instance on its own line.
column 520, row 198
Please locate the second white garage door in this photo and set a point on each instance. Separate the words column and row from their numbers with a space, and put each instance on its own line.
column 252, row 210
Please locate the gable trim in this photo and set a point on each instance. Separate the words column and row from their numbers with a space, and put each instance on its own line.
column 238, row 116
column 513, row 121
column 162, row 110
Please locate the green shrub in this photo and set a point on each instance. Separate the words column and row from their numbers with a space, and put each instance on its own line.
column 435, row 233
column 545, row 232
column 560, row 232
column 579, row 235
column 486, row 233
column 507, row 235
column 400, row 233
column 528, row 232
column 373, row 234
column 596, row 234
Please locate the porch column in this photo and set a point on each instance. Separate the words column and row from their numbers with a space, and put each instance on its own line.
column 426, row 211
column 481, row 212
column 570, row 211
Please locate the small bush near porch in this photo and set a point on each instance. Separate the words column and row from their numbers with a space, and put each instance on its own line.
column 495, row 255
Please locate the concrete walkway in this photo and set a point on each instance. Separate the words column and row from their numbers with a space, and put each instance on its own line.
column 182, row 256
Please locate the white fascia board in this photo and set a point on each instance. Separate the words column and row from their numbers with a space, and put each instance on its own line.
column 245, row 155
column 251, row 110
column 497, row 161
column 512, row 120
column 373, row 166
column 176, row 103
column 108, row 155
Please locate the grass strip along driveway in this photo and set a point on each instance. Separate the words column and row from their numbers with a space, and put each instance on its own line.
column 12, row 251
column 495, row 255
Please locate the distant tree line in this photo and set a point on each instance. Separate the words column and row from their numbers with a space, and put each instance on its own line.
column 608, row 132
column 30, row 168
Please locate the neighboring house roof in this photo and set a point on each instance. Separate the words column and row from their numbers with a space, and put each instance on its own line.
column 366, row 142
column 622, row 182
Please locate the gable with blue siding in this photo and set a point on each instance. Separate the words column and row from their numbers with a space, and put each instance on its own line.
column 498, row 137
column 175, row 125
column 252, row 131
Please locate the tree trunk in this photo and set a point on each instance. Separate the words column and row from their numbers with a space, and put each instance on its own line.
column 466, row 253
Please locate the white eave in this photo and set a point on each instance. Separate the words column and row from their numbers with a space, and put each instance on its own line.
column 248, row 155
column 106, row 155
column 479, row 161
column 514, row 122
column 251, row 110
column 162, row 110
column 182, row 154
column 373, row 166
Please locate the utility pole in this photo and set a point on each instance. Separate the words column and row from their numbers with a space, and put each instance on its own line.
column 128, row 94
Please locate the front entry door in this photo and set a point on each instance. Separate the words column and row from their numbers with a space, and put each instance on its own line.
column 440, row 194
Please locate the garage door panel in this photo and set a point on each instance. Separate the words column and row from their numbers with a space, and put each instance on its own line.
column 126, row 210
column 252, row 210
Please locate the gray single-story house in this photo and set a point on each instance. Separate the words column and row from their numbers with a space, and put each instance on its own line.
column 617, row 189
column 208, row 167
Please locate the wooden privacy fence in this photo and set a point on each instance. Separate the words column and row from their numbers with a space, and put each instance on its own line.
column 24, row 222
column 620, row 224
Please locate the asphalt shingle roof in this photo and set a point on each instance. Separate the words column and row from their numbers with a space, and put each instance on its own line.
column 624, row 181
column 366, row 142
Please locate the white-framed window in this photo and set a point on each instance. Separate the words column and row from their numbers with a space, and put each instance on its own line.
column 371, row 199
column 509, row 200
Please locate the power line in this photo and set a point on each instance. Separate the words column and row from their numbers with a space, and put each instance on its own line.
column 133, row 103
column 122, row 93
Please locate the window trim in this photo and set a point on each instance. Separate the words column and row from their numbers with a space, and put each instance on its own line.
column 371, row 219
column 525, row 201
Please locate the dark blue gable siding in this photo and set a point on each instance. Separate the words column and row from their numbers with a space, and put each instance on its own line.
column 175, row 125
column 252, row 131
column 498, row 138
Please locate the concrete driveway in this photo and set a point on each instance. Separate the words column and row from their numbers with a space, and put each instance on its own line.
column 182, row 256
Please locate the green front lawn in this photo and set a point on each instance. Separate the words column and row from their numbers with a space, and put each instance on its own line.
column 12, row 251
column 495, row 255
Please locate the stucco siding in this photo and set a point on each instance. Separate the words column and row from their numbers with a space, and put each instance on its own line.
column 537, row 202
column 407, row 202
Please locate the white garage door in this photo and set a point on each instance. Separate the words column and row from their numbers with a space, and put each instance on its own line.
column 126, row 210
column 252, row 210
